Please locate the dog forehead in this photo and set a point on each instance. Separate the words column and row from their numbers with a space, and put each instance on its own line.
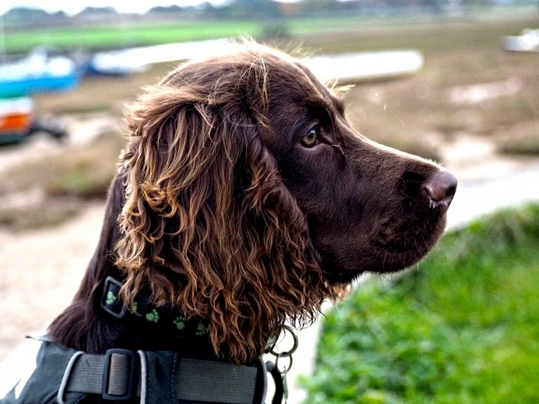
column 294, row 85
column 288, row 74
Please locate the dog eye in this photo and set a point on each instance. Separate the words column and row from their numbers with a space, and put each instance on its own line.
column 311, row 139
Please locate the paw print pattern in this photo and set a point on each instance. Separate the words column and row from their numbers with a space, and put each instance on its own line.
column 153, row 316
column 202, row 329
column 179, row 322
column 111, row 298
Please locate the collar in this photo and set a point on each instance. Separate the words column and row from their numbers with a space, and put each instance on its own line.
column 144, row 311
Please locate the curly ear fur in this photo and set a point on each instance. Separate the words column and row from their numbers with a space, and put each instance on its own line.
column 207, row 223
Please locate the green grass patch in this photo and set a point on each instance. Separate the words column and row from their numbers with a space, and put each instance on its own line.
column 47, row 213
column 462, row 329
column 84, row 173
column 67, row 180
column 523, row 140
column 525, row 145
column 123, row 35
column 329, row 33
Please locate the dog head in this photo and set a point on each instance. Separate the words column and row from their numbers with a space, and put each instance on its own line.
column 249, row 198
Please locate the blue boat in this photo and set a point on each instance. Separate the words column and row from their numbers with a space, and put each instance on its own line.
column 36, row 73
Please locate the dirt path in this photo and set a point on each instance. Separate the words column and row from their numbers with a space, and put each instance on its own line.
column 40, row 272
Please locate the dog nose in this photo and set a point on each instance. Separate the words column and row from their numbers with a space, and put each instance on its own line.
column 440, row 187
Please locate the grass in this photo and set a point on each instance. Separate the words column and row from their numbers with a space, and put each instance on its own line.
column 125, row 35
column 78, row 172
column 523, row 140
column 340, row 34
column 66, row 180
column 47, row 213
column 462, row 329
column 143, row 34
column 139, row 34
column 100, row 94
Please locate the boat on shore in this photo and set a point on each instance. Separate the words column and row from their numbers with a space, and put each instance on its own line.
column 527, row 41
column 40, row 71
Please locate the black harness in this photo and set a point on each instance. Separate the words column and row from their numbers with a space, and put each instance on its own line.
column 65, row 375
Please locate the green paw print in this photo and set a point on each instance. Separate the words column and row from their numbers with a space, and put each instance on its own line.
column 153, row 316
column 111, row 298
column 202, row 329
column 179, row 322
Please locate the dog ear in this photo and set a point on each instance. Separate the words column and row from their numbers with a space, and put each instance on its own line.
column 164, row 164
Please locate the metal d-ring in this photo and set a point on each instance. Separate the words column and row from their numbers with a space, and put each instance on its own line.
column 288, row 353
column 284, row 370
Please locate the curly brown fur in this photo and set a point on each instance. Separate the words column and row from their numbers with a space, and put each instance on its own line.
column 224, row 214
column 208, row 221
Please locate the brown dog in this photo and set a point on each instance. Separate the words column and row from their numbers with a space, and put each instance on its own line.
column 244, row 199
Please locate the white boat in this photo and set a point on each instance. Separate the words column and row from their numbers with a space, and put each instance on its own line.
column 352, row 68
column 345, row 68
column 527, row 41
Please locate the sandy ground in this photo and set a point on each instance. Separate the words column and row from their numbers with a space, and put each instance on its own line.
column 40, row 272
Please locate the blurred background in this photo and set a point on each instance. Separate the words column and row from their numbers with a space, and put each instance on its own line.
column 456, row 81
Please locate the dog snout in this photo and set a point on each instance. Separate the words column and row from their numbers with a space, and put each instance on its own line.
column 440, row 188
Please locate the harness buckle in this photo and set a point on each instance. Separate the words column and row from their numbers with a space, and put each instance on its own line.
column 67, row 374
column 110, row 299
column 120, row 375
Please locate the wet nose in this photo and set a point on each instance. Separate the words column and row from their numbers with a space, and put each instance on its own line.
column 440, row 187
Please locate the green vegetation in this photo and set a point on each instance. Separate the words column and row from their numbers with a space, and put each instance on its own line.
column 464, row 328
column 84, row 173
column 124, row 35
column 336, row 34
column 66, row 181
column 119, row 36
column 39, row 214
column 130, row 34
column 524, row 140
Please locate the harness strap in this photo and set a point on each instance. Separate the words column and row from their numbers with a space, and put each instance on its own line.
column 122, row 375
column 213, row 381
column 278, row 380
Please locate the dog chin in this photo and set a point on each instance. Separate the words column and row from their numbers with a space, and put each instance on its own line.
column 390, row 261
column 341, row 276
